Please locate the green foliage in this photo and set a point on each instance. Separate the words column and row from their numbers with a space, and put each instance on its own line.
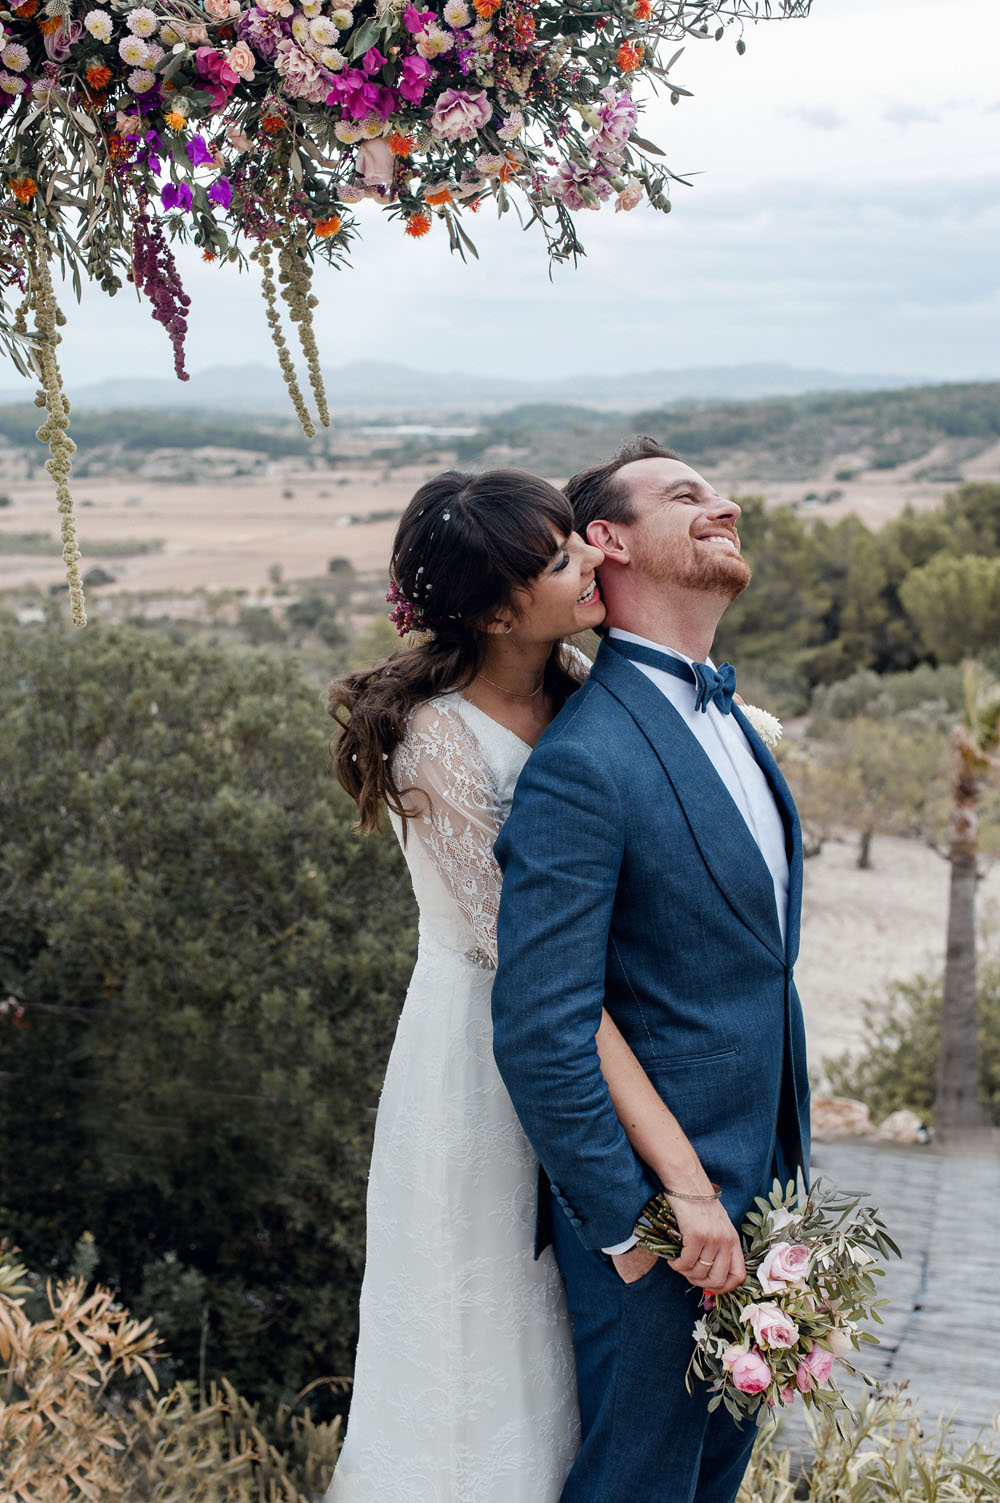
column 898, row 1063
column 47, row 543
column 955, row 604
column 880, row 1454
column 133, row 430
column 209, row 965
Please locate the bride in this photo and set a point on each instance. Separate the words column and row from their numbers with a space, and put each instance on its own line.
column 464, row 1389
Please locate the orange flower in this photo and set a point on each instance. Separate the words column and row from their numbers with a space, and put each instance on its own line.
column 630, row 56
column 401, row 145
column 508, row 170
column 417, row 225
column 23, row 188
column 324, row 227
column 524, row 31
column 272, row 123
column 98, row 76
column 118, row 148
column 49, row 25
column 176, row 120
column 473, row 205
column 208, row 256
column 643, row 10
column 485, row 8
column 439, row 196
column 27, row 10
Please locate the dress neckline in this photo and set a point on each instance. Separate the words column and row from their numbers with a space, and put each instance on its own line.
column 493, row 721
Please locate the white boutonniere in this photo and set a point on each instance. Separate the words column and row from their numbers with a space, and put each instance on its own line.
column 767, row 726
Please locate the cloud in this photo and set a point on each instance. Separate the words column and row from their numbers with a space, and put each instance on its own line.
column 820, row 118
column 910, row 114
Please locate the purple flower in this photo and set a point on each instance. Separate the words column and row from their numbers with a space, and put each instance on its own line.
column 176, row 196
column 373, row 60
column 221, row 192
column 618, row 116
column 414, row 76
column 417, row 20
column 198, row 153
column 458, row 115
column 261, row 32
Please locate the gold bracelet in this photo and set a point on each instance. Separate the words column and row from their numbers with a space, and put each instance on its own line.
column 682, row 1195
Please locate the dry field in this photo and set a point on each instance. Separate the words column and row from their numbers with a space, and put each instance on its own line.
column 227, row 534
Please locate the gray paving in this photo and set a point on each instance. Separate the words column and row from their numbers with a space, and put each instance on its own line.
column 941, row 1332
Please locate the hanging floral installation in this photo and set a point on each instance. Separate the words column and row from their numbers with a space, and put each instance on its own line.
column 253, row 129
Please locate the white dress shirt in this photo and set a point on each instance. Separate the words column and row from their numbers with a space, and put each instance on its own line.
column 729, row 752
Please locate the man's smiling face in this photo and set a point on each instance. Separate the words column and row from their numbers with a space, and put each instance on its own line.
column 684, row 532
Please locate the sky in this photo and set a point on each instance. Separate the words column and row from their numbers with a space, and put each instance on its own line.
column 844, row 214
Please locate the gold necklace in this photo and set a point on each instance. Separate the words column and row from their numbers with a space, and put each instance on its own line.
column 512, row 692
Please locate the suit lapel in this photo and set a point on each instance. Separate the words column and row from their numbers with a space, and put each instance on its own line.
column 727, row 846
column 793, row 830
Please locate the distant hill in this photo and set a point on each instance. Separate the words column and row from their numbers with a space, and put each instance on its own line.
column 367, row 386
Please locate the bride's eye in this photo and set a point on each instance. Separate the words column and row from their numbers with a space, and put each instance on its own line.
column 563, row 561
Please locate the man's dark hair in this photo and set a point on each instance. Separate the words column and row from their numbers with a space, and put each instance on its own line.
column 598, row 492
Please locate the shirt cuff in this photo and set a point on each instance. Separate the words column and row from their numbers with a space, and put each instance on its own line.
column 622, row 1247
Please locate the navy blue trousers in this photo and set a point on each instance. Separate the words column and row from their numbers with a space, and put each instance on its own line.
column 644, row 1437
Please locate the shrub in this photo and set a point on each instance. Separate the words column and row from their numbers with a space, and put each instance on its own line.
column 898, row 1063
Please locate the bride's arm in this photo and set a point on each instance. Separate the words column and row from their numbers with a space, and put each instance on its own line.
column 660, row 1141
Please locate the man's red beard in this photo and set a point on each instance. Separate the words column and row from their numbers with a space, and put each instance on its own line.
column 694, row 567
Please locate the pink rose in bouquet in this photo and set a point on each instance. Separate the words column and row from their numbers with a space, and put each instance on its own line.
column 750, row 1372
column 241, row 60
column 814, row 1369
column 376, row 161
column 786, row 1264
column 222, row 10
column 458, row 115
column 771, row 1326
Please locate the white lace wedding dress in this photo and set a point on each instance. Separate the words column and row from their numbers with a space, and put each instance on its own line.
column 464, row 1389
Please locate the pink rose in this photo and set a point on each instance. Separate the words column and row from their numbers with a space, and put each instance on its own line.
column 458, row 115
column 238, row 139
column 785, row 1264
column 222, row 10
column 241, row 60
column 276, row 7
column 814, row 1369
column 195, row 34
column 838, row 1342
column 376, row 161
column 771, row 1326
column 627, row 199
column 751, row 1373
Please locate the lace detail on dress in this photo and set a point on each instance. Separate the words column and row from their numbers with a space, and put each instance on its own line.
column 455, row 816
column 465, row 1387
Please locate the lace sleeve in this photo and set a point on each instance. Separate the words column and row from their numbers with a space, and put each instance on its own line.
column 451, row 796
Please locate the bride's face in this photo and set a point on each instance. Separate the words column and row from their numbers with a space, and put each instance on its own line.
column 565, row 597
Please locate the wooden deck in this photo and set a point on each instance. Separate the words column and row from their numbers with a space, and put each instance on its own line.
column 941, row 1334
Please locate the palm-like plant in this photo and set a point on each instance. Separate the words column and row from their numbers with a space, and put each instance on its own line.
column 976, row 757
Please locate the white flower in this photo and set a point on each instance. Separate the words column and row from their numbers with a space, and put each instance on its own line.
column 311, row 8
column 142, row 22
column 99, row 24
column 512, row 126
column 133, row 50
column 456, row 13
column 332, row 59
column 15, row 56
column 434, row 41
column 324, row 31
column 140, row 80
column 153, row 53
column 482, row 28
column 171, row 37
column 300, row 28
column 343, row 19
column 767, row 726
column 348, row 131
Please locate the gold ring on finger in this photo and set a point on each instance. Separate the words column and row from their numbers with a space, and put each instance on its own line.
column 707, row 1261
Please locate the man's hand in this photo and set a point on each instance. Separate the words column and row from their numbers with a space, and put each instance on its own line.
column 631, row 1266
column 711, row 1257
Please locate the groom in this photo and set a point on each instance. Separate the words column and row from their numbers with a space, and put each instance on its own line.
column 652, row 865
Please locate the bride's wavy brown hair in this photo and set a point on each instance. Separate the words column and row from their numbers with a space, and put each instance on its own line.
column 464, row 546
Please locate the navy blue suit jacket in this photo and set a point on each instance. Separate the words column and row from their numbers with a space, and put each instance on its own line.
column 632, row 882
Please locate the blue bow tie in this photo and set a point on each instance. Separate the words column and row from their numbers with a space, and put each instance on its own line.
column 713, row 685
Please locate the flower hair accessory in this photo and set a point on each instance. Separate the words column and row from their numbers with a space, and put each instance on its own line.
column 405, row 616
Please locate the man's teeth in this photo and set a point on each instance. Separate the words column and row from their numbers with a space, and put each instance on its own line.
column 718, row 538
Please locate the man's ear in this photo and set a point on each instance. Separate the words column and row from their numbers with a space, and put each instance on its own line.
column 608, row 537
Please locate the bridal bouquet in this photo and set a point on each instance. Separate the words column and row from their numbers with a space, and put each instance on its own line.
column 811, row 1282
column 252, row 128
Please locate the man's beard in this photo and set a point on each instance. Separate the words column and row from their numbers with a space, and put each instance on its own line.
column 691, row 567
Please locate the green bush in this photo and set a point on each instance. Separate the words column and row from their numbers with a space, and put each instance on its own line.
column 898, row 1063
column 205, row 965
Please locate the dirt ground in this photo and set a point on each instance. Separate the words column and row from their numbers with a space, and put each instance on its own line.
column 861, row 929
